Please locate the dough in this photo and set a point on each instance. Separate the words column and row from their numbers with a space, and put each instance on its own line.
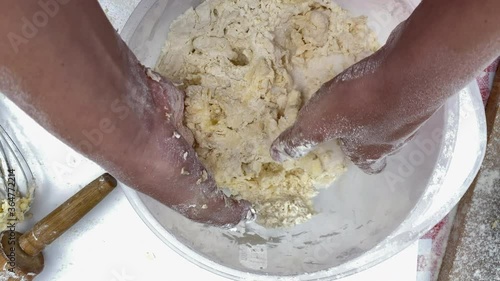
column 247, row 67
column 21, row 204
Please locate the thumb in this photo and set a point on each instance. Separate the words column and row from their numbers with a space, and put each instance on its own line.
column 319, row 120
column 300, row 139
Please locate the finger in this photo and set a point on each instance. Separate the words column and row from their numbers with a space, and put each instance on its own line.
column 205, row 203
column 170, row 102
column 292, row 144
column 320, row 120
column 220, row 210
column 188, row 186
column 297, row 141
column 372, row 167
column 166, row 96
column 372, row 159
column 315, row 124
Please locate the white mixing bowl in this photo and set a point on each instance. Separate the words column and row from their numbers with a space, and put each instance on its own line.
column 362, row 219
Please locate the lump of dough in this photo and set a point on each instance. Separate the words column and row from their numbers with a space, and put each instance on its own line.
column 247, row 67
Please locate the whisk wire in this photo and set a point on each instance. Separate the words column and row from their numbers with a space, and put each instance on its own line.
column 11, row 159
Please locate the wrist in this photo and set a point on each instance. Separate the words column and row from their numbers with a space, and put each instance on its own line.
column 123, row 118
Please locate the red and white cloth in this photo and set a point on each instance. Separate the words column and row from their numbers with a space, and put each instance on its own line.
column 432, row 246
column 485, row 81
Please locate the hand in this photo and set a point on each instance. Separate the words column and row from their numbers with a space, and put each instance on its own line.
column 165, row 166
column 368, row 107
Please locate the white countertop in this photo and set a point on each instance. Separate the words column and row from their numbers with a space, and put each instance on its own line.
column 113, row 244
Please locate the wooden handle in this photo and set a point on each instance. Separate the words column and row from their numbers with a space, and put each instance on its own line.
column 66, row 215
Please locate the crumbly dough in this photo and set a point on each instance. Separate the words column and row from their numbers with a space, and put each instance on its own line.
column 247, row 67
column 21, row 204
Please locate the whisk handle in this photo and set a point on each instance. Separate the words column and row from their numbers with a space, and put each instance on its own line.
column 66, row 215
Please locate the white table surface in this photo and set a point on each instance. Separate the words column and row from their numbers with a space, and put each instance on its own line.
column 113, row 244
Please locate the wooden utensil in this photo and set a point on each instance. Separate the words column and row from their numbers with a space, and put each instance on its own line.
column 20, row 254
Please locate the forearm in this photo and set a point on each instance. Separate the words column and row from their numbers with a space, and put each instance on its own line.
column 73, row 75
column 444, row 45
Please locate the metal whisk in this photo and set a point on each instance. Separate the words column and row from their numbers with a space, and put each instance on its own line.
column 17, row 183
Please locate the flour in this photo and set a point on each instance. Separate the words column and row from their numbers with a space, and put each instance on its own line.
column 247, row 67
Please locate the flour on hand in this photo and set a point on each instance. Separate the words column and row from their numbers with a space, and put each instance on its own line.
column 247, row 67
